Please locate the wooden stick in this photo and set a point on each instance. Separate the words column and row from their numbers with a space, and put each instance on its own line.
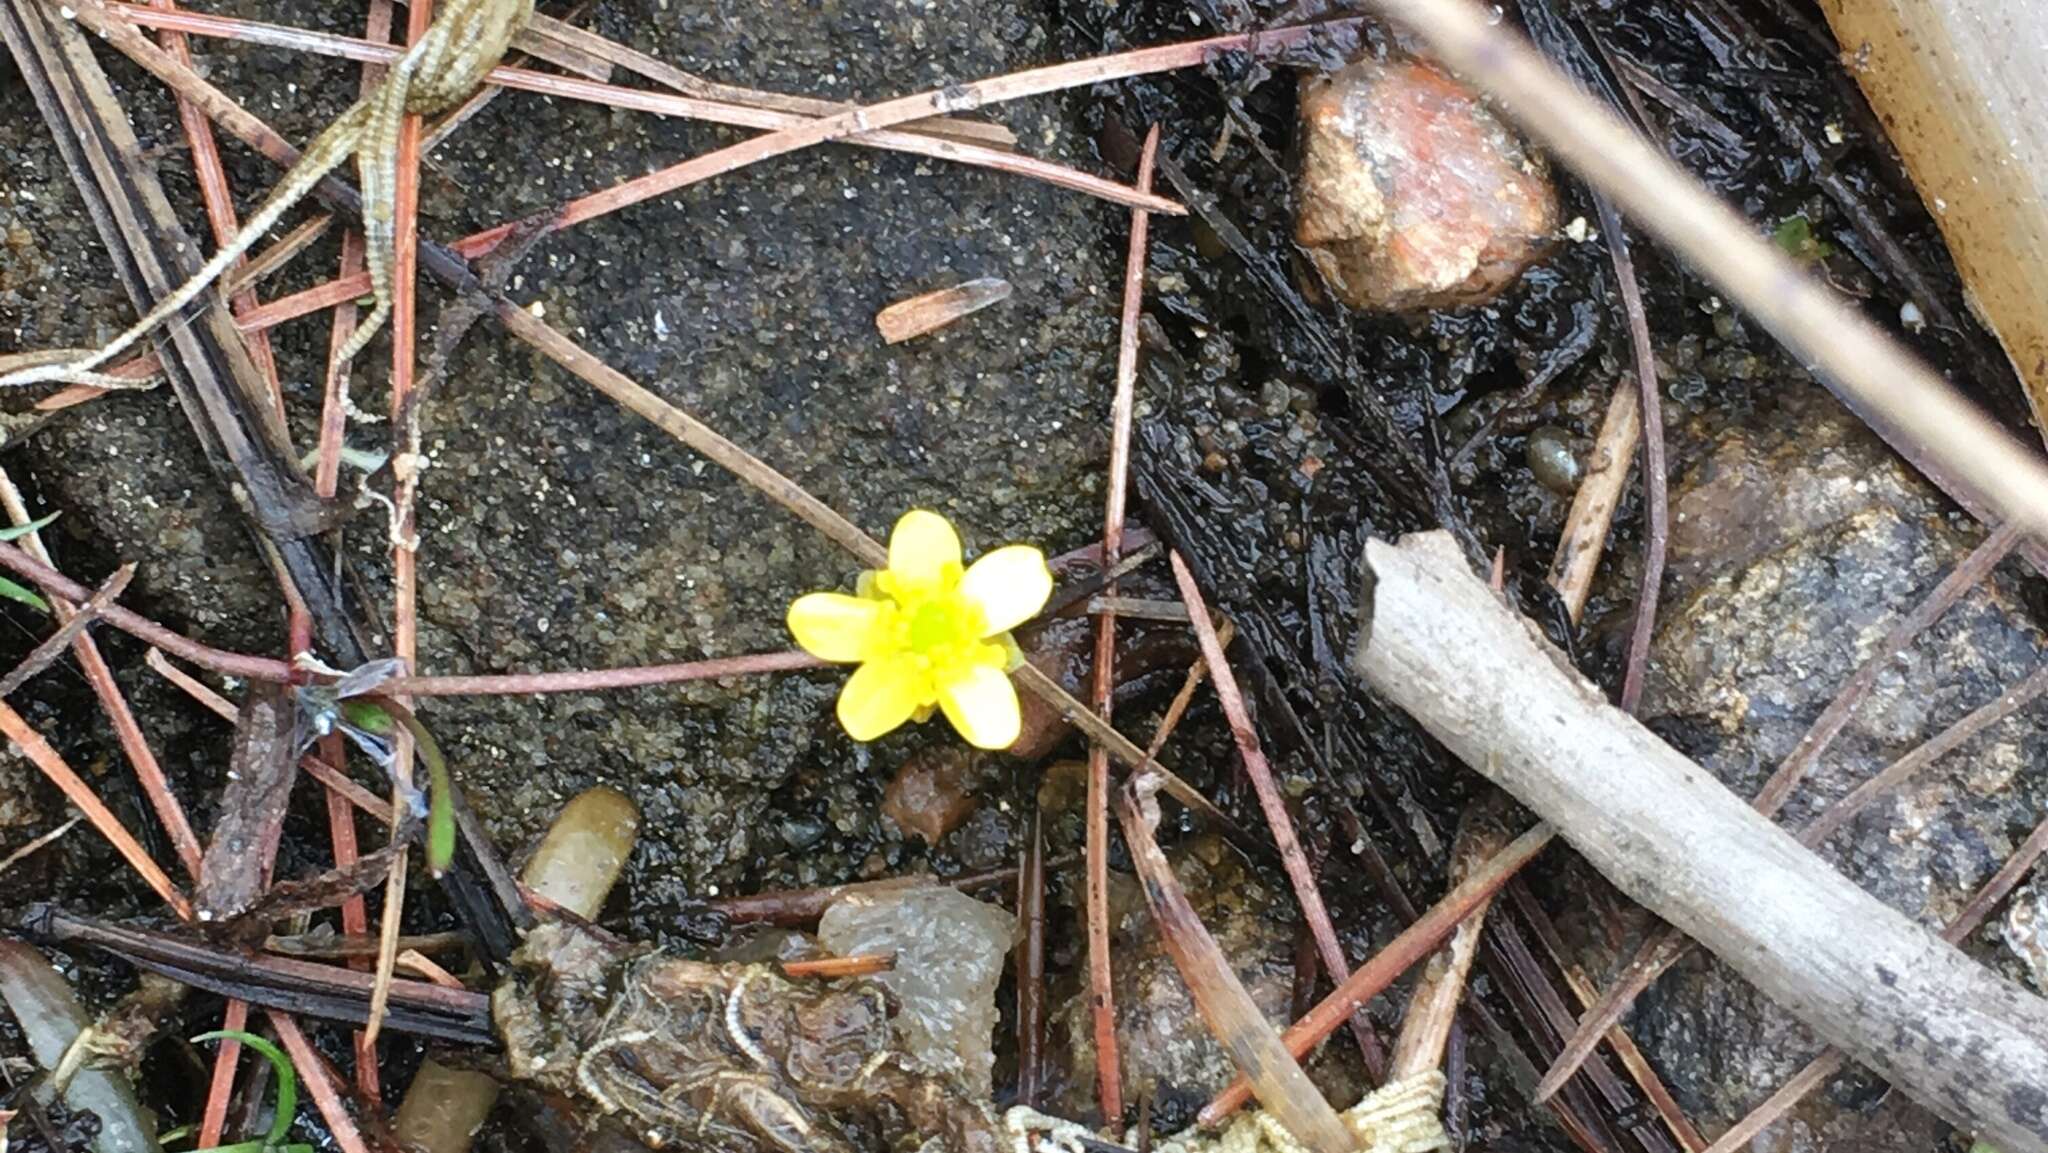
column 1592, row 512
column 1433, row 1005
column 1664, row 948
column 1830, row 1062
column 1233, row 1018
column 1968, row 1045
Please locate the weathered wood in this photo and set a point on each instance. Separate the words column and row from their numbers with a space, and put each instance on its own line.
column 1957, row 84
column 237, row 865
column 1957, row 1038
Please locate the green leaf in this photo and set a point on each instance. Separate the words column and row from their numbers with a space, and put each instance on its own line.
column 18, row 531
column 378, row 714
column 1795, row 236
column 15, row 592
column 367, row 714
column 287, row 1090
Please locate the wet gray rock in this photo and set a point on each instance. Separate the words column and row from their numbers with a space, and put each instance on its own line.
column 1797, row 540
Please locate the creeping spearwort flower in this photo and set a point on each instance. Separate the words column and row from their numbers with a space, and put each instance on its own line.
column 929, row 634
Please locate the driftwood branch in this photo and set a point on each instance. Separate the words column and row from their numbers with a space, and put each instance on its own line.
column 1957, row 1038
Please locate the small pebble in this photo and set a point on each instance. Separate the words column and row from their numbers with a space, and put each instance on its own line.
column 932, row 793
column 1553, row 461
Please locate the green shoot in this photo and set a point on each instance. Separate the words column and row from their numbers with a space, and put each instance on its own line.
column 16, row 532
column 17, row 592
column 287, row 1096
column 1795, row 236
column 381, row 716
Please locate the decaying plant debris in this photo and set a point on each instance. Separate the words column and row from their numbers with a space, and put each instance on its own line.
column 724, row 310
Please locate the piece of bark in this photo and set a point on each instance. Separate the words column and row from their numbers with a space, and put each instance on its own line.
column 236, row 868
column 934, row 310
column 1958, row 87
column 1962, row 1041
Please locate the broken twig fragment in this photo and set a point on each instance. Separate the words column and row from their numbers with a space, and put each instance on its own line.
column 935, row 310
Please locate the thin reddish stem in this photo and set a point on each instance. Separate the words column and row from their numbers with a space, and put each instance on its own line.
column 1656, row 505
column 1306, row 891
column 659, row 103
column 318, row 1078
column 1101, row 981
column 213, row 1119
column 1031, row 965
column 865, row 121
column 598, row 680
column 46, row 758
column 127, row 730
column 1416, row 942
column 219, row 200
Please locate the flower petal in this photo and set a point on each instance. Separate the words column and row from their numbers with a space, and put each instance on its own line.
column 836, row 627
column 880, row 695
column 982, row 703
column 920, row 548
column 1009, row 585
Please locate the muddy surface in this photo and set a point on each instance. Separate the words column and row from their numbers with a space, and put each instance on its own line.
column 1276, row 432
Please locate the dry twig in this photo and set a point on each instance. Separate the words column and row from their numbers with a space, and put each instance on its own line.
column 1592, row 513
column 1666, row 947
column 1443, row 648
column 1233, row 1019
column 1307, row 892
column 1101, row 996
column 1821, row 1068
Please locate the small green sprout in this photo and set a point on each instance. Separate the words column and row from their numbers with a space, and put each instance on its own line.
column 380, row 716
column 1795, row 236
column 16, row 592
column 287, row 1097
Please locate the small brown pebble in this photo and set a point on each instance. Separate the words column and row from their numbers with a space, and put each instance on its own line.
column 932, row 792
column 1215, row 462
column 1414, row 195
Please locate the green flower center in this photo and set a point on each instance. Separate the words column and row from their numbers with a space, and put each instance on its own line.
column 940, row 622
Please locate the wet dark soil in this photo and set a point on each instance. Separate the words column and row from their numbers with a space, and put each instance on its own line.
column 1276, row 433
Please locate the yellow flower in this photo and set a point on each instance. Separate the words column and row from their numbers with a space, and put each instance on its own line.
column 929, row 634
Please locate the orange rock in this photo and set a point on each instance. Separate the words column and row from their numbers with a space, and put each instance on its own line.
column 1413, row 195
